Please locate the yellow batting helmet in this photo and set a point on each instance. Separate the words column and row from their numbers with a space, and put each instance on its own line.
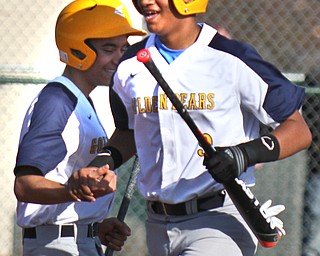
column 190, row 7
column 184, row 7
column 89, row 19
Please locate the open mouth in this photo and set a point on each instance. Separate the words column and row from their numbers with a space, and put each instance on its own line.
column 149, row 15
column 108, row 72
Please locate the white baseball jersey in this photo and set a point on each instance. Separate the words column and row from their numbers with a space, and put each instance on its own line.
column 228, row 90
column 61, row 133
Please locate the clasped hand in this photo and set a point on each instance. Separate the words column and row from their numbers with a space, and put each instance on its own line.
column 89, row 183
column 226, row 163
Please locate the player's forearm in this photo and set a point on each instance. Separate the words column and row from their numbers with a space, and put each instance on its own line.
column 119, row 149
column 38, row 189
column 123, row 141
column 293, row 135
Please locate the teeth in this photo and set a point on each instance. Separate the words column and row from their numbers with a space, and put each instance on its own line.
column 150, row 13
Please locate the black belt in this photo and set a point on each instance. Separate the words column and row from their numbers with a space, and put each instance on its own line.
column 66, row 231
column 202, row 204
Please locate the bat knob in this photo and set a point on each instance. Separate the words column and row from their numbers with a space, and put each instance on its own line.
column 143, row 55
column 269, row 244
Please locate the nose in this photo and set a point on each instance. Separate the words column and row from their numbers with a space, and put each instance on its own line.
column 144, row 3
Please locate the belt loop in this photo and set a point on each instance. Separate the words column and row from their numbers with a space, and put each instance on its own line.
column 192, row 206
column 59, row 231
column 75, row 230
column 149, row 206
column 164, row 209
column 92, row 230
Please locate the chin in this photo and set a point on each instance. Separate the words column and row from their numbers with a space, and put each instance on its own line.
column 106, row 81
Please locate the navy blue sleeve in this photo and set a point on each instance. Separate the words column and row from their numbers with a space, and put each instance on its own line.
column 42, row 146
column 283, row 97
column 118, row 110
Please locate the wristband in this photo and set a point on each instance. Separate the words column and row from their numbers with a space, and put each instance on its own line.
column 264, row 149
column 115, row 154
column 102, row 158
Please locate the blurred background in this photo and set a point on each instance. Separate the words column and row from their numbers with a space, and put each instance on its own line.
column 285, row 32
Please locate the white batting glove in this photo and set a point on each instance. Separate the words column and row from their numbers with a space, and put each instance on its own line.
column 269, row 213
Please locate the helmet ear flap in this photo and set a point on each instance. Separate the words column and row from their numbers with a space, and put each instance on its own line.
column 86, row 58
column 183, row 7
column 190, row 7
column 76, row 54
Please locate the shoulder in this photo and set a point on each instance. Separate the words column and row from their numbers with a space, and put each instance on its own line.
column 128, row 63
column 55, row 104
column 56, row 95
column 280, row 89
column 234, row 47
column 57, row 92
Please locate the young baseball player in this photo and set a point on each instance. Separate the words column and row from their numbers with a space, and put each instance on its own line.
column 61, row 204
column 228, row 89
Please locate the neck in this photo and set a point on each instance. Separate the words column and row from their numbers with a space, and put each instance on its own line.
column 76, row 76
column 183, row 37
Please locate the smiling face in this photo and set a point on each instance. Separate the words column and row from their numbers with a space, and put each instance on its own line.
column 175, row 30
column 161, row 16
column 109, row 51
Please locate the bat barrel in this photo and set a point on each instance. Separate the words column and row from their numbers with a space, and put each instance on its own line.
column 249, row 208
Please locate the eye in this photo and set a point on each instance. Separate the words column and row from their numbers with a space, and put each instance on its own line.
column 109, row 49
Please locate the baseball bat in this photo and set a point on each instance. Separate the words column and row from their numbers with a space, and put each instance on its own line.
column 127, row 195
column 244, row 200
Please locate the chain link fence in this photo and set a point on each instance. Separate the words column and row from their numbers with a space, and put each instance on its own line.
column 286, row 33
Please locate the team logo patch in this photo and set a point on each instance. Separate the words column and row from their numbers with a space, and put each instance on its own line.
column 119, row 11
column 267, row 142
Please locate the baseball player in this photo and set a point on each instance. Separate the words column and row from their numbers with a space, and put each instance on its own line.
column 61, row 204
column 228, row 89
